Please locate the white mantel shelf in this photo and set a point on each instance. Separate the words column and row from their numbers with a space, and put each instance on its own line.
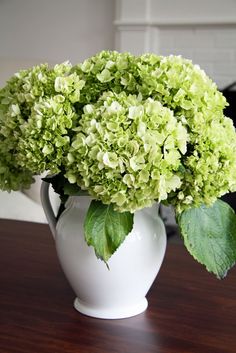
column 178, row 22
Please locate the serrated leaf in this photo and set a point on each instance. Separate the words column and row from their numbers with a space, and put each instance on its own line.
column 210, row 236
column 105, row 229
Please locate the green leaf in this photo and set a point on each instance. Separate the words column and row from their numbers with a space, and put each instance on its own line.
column 105, row 228
column 210, row 236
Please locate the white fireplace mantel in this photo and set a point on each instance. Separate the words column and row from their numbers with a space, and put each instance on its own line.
column 138, row 22
column 175, row 12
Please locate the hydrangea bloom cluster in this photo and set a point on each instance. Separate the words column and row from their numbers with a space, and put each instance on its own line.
column 36, row 114
column 130, row 151
column 129, row 129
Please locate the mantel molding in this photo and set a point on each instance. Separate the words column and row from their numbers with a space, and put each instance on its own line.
column 177, row 22
column 139, row 23
column 175, row 13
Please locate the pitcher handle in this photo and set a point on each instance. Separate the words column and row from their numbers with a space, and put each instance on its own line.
column 47, row 207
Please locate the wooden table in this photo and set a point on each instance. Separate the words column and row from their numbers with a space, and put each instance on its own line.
column 189, row 310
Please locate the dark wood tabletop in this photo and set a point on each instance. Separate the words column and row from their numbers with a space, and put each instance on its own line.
column 189, row 310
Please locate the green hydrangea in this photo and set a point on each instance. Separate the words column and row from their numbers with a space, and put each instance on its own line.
column 130, row 151
column 129, row 129
column 13, row 177
column 36, row 114
column 207, row 169
column 44, row 139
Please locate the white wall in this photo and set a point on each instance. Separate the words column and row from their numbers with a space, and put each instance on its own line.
column 55, row 30
column 35, row 31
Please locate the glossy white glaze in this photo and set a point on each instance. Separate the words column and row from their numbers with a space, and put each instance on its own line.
column 119, row 291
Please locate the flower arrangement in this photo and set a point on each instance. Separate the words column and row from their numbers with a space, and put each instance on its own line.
column 129, row 131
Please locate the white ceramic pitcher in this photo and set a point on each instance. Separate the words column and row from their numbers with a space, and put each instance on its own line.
column 117, row 292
